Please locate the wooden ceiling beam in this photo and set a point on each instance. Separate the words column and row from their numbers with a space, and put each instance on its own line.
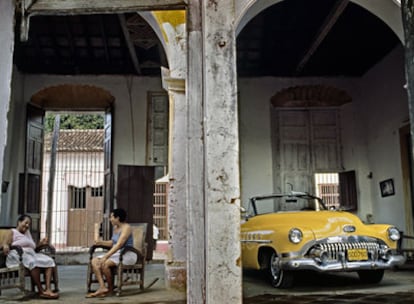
column 54, row 40
column 323, row 31
column 129, row 43
column 53, row 7
column 87, row 35
column 104, row 39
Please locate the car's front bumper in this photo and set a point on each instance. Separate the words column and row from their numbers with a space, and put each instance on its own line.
column 340, row 265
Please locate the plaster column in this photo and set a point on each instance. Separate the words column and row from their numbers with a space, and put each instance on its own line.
column 6, row 66
column 175, row 265
column 213, row 259
column 172, row 24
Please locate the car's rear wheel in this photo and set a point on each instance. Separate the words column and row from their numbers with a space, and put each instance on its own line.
column 278, row 278
column 371, row 276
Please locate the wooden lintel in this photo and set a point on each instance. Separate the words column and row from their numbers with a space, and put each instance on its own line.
column 70, row 7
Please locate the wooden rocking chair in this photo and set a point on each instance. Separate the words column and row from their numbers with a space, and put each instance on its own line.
column 124, row 275
column 15, row 277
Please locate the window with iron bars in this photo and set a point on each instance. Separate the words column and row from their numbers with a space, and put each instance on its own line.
column 327, row 188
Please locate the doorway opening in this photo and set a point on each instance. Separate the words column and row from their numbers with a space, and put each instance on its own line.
column 72, row 195
column 327, row 188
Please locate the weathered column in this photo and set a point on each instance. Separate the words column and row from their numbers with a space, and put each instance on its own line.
column 172, row 24
column 407, row 9
column 6, row 66
column 214, row 267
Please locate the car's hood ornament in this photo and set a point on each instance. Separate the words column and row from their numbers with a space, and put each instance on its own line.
column 349, row 228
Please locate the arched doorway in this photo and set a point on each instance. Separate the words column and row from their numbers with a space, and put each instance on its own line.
column 67, row 190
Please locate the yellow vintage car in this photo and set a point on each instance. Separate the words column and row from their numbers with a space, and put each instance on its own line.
column 285, row 233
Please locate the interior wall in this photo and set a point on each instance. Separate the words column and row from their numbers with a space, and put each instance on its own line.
column 384, row 107
column 255, row 127
column 6, row 55
column 13, row 152
column 129, row 123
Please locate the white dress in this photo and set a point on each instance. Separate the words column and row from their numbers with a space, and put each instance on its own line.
column 31, row 259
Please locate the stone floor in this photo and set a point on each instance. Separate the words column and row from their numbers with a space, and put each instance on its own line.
column 397, row 287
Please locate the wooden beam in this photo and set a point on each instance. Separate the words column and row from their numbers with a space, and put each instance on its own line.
column 26, row 4
column 68, row 7
column 104, row 39
column 129, row 43
column 72, row 47
column 326, row 27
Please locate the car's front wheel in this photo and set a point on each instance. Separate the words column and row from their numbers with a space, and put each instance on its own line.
column 371, row 276
column 278, row 278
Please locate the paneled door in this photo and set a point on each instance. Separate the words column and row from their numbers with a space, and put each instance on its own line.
column 30, row 188
column 305, row 142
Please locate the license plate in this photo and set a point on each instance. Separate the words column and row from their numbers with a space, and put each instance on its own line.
column 357, row 255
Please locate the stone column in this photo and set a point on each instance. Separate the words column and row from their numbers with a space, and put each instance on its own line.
column 213, row 259
column 172, row 24
column 6, row 67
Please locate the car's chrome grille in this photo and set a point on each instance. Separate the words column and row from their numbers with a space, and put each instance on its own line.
column 334, row 250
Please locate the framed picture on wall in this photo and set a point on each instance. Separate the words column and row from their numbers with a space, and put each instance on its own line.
column 387, row 187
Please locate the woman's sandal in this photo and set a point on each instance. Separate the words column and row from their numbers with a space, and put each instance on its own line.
column 97, row 295
column 48, row 296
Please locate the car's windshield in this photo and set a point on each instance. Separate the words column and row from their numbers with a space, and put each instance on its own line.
column 284, row 203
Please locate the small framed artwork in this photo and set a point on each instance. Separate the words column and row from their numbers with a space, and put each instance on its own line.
column 387, row 187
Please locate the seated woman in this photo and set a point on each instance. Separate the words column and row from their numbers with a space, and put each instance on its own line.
column 20, row 236
column 101, row 266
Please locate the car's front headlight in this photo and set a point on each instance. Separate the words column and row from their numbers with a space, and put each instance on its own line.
column 295, row 235
column 394, row 234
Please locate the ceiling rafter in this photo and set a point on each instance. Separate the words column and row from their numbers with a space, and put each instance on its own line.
column 70, row 42
column 54, row 42
column 85, row 28
column 104, row 39
column 37, row 47
column 129, row 43
column 323, row 31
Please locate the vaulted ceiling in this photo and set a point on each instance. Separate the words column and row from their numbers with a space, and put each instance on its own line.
column 291, row 38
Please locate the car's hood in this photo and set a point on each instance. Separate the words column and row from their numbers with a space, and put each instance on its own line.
column 321, row 223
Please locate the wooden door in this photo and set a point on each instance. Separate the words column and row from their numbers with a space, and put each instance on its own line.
column 135, row 194
column 84, row 216
column 293, row 170
column 305, row 142
column 348, row 197
column 108, row 175
column 32, row 177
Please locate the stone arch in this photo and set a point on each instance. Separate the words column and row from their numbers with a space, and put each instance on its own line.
column 73, row 97
column 310, row 96
column 389, row 11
